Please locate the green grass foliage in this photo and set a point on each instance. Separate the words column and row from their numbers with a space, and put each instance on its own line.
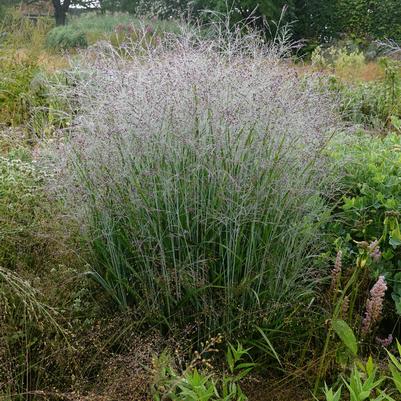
column 66, row 37
column 25, row 69
column 100, row 24
column 18, row 31
column 209, row 235
column 26, row 98
column 17, row 96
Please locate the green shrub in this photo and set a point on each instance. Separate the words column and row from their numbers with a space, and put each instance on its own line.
column 371, row 207
column 65, row 38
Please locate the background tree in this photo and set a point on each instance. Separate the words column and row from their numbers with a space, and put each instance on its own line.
column 60, row 10
column 61, row 7
column 4, row 4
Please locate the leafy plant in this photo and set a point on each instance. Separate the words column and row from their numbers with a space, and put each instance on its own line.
column 366, row 382
column 344, row 63
column 331, row 395
column 369, row 211
column 395, row 367
column 345, row 296
column 194, row 385
column 337, row 325
column 361, row 389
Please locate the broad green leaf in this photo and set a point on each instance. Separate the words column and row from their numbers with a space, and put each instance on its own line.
column 346, row 335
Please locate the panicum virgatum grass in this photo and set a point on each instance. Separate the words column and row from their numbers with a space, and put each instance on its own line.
column 196, row 168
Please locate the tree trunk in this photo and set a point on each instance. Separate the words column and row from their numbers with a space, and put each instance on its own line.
column 60, row 11
column 60, row 16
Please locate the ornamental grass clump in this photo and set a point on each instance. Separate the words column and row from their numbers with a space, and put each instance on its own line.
column 195, row 166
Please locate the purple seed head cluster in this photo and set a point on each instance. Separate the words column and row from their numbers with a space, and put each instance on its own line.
column 148, row 94
column 385, row 342
column 336, row 271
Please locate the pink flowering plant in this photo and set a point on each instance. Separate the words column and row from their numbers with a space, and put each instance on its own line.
column 356, row 309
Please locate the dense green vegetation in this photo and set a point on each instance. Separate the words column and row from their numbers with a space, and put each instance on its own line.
column 318, row 21
column 190, row 212
column 314, row 19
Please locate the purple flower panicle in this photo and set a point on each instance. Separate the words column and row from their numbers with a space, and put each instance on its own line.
column 374, row 306
column 374, row 251
column 336, row 271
